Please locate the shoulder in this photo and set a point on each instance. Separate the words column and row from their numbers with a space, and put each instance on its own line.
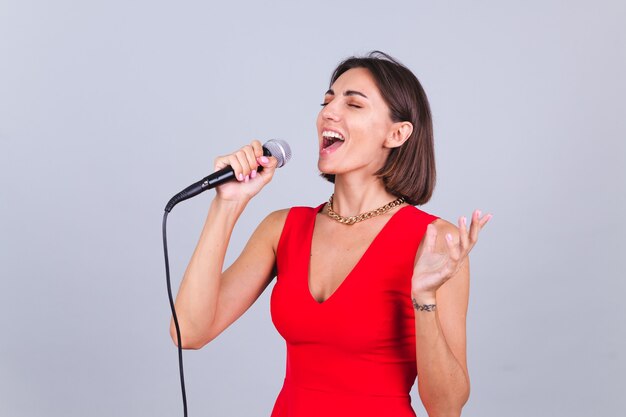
column 269, row 230
column 419, row 219
column 273, row 223
column 442, row 227
column 277, row 219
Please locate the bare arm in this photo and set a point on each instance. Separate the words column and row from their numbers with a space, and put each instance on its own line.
column 443, row 379
column 441, row 278
column 209, row 300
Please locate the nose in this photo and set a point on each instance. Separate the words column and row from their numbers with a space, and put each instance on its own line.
column 329, row 112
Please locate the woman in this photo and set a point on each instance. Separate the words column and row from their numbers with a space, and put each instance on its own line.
column 370, row 290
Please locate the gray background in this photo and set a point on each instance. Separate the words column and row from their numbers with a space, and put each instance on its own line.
column 108, row 108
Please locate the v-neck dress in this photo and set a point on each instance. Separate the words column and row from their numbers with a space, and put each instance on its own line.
column 354, row 353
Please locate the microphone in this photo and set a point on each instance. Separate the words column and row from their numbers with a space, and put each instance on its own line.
column 275, row 147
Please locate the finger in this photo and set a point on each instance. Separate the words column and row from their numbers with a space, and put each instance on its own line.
column 463, row 237
column 258, row 152
column 454, row 249
column 269, row 164
column 249, row 152
column 430, row 239
column 220, row 162
column 258, row 148
column 242, row 158
column 485, row 219
column 475, row 227
column 237, row 161
column 234, row 163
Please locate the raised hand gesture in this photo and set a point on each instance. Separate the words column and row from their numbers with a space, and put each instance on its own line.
column 437, row 263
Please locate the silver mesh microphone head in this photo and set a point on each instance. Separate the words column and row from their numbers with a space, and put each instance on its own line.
column 279, row 149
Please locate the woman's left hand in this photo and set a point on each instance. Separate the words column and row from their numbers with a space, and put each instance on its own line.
column 433, row 268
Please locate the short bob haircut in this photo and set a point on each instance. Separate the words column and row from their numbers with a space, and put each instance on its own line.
column 409, row 171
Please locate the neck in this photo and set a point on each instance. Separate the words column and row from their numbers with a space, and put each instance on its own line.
column 354, row 196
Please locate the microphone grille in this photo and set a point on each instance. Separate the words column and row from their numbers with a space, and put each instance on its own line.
column 279, row 149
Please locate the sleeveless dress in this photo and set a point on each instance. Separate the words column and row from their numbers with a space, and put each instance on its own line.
column 354, row 353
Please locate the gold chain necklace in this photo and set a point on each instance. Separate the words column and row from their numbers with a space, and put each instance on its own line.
column 363, row 216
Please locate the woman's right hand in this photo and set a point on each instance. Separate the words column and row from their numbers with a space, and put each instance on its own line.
column 245, row 163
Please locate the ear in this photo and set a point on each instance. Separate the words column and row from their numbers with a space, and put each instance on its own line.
column 398, row 134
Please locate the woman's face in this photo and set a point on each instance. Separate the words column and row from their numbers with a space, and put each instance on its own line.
column 353, row 125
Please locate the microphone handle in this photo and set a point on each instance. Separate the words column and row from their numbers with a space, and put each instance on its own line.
column 208, row 182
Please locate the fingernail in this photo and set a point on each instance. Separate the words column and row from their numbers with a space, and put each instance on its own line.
column 247, row 178
column 240, row 177
column 463, row 220
column 265, row 159
column 480, row 213
column 253, row 173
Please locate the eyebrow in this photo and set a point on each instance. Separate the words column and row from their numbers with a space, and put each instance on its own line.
column 347, row 93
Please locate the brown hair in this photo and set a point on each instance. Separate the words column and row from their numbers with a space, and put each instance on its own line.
column 409, row 171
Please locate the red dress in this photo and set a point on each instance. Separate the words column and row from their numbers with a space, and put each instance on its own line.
column 353, row 354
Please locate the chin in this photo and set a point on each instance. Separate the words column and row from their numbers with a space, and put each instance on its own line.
column 326, row 170
column 322, row 169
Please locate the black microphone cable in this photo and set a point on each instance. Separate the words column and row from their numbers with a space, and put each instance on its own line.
column 276, row 148
column 175, row 317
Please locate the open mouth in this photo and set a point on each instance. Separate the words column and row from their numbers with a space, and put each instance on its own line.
column 331, row 140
